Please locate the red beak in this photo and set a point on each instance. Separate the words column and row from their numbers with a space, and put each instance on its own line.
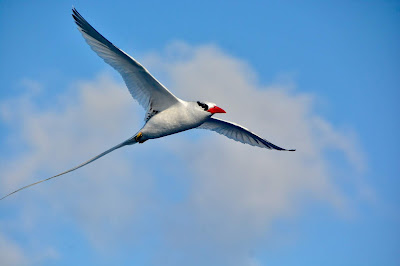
column 216, row 109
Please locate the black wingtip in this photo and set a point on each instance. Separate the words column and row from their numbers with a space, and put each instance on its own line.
column 76, row 15
column 292, row 150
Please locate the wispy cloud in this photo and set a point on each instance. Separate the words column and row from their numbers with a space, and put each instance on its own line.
column 239, row 190
column 235, row 191
column 11, row 253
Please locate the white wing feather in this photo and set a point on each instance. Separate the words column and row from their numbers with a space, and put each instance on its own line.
column 238, row 133
column 144, row 88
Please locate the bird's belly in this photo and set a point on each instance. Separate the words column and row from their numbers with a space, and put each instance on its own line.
column 164, row 124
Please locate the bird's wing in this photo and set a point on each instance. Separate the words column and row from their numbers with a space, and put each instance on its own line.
column 144, row 88
column 238, row 133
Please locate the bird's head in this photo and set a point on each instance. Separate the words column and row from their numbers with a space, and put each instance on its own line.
column 212, row 108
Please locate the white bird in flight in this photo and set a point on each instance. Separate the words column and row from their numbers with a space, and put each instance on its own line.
column 166, row 113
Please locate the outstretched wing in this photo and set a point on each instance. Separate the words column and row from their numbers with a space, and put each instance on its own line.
column 144, row 88
column 238, row 133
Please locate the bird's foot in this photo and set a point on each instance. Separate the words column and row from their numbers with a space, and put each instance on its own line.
column 138, row 137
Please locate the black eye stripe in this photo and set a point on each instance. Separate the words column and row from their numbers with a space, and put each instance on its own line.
column 203, row 105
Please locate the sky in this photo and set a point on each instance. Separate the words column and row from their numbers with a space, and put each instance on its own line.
column 318, row 76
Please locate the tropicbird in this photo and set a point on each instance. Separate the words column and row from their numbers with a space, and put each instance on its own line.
column 166, row 113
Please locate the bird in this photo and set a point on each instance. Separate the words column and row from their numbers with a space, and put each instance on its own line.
column 166, row 114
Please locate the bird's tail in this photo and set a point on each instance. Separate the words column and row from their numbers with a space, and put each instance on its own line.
column 129, row 141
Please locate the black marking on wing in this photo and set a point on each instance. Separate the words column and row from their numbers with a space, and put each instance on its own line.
column 238, row 133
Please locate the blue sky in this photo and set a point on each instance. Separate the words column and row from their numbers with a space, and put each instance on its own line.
column 322, row 77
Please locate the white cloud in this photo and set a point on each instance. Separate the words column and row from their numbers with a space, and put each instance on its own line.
column 239, row 190
column 11, row 253
column 236, row 190
column 103, row 198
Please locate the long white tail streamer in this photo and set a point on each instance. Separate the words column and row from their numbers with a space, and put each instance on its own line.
column 126, row 142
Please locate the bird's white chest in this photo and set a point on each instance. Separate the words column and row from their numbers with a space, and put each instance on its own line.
column 173, row 120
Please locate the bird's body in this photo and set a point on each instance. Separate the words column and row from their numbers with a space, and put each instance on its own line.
column 166, row 113
column 179, row 117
